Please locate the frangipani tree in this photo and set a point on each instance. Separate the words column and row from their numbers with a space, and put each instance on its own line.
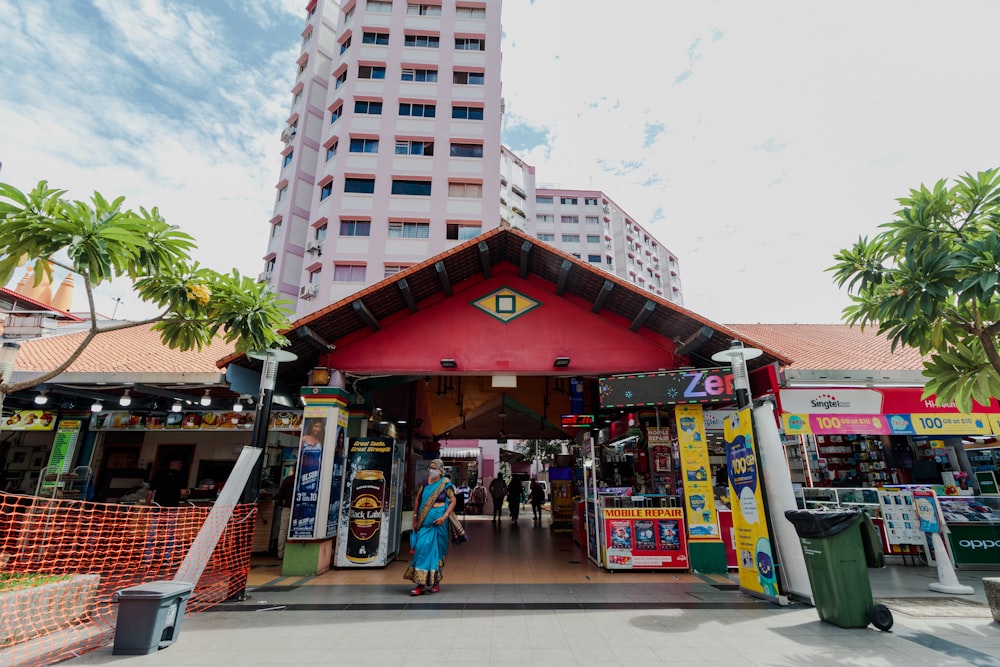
column 930, row 280
column 101, row 241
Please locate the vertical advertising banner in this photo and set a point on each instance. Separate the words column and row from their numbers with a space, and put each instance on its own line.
column 337, row 475
column 64, row 445
column 306, row 498
column 699, row 497
column 753, row 541
column 363, row 535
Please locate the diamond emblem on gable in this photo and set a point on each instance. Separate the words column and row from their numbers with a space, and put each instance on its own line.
column 505, row 304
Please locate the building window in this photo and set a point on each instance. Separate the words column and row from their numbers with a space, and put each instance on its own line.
column 590, row 201
column 593, row 238
column 276, row 229
column 550, row 238
column 457, row 232
column 545, row 218
column 407, row 187
column 379, row 6
column 470, row 44
column 594, row 259
column 288, row 159
column 341, row 80
column 368, row 107
column 414, row 109
column 349, row 273
column 346, row 44
column 414, row 148
column 419, row 75
column 467, row 150
column 570, row 238
column 371, row 71
column 593, row 220
column 468, row 78
column 364, row 145
column 569, row 219
column 541, row 199
column 336, row 114
column 568, row 200
column 314, row 276
column 321, row 232
column 422, row 41
column 423, row 10
column 465, row 190
column 380, row 38
column 355, row 227
column 362, row 185
column 282, row 192
column 409, row 230
column 468, row 113
column 393, row 269
column 331, row 151
column 325, row 190
column 478, row 13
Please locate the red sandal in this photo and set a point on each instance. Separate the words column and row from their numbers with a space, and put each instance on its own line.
column 435, row 589
column 417, row 591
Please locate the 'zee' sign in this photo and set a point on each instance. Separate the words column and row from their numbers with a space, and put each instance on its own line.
column 703, row 385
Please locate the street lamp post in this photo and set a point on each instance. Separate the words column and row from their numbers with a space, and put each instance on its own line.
column 8, row 354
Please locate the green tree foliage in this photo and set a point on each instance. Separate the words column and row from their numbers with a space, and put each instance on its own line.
column 929, row 280
column 101, row 241
column 547, row 449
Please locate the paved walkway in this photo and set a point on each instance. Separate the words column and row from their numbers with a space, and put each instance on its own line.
column 681, row 621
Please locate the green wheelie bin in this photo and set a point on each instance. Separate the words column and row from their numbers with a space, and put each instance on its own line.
column 839, row 546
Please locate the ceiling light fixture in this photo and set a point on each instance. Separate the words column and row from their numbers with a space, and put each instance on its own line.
column 176, row 407
column 237, row 406
column 561, row 362
column 125, row 400
column 42, row 398
column 97, row 406
column 206, row 400
column 448, row 363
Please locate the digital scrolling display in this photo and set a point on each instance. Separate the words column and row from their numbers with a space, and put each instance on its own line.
column 702, row 385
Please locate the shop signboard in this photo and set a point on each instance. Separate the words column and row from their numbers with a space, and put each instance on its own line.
column 811, row 424
column 926, row 505
column 702, row 521
column 365, row 515
column 703, row 385
column 831, row 400
column 641, row 538
column 287, row 421
column 753, row 539
column 29, row 420
column 931, row 423
column 659, row 445
column 975, row 543
column 987, row 483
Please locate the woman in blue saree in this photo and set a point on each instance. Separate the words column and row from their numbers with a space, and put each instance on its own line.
column 434, row 504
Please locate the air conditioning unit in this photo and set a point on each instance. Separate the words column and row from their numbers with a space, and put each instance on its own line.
column 607, row 209
column 307, row 291
column 314, row 247
column 264, row 277
column 286, row 137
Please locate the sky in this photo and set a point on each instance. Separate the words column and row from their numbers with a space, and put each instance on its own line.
column 753, row 139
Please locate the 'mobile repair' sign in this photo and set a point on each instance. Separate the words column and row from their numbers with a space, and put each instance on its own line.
column 702, row 385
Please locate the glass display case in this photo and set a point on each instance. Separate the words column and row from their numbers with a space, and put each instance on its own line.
column 973, row 529
column 847, row 498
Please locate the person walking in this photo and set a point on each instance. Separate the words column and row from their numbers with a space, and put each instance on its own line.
column 434, row 503
column 498, row 489
column 514, row 491
column 536, row 495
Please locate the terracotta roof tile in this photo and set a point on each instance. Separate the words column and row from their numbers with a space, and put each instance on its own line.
column 134, row 350
column 833, row 347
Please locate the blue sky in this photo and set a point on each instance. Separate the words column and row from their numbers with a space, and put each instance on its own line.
column 753, row 139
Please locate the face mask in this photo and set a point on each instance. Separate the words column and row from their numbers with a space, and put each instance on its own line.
column 433, row 474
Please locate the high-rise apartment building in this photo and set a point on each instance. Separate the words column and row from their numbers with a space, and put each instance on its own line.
column 393, row 155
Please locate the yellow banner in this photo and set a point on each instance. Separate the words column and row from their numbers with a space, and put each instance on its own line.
column 951, row 424
column 754, row 554
column 703, row 522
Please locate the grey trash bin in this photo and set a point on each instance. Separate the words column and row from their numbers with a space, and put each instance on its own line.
column 149, row 616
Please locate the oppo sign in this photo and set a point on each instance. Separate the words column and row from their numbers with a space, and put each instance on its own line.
column 979, row 544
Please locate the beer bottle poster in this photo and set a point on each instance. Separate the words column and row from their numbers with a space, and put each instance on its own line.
column 303, row 523
column 363, row 535
column 337, row 478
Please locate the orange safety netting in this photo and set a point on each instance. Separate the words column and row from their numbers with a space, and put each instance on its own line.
column 62, row 560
